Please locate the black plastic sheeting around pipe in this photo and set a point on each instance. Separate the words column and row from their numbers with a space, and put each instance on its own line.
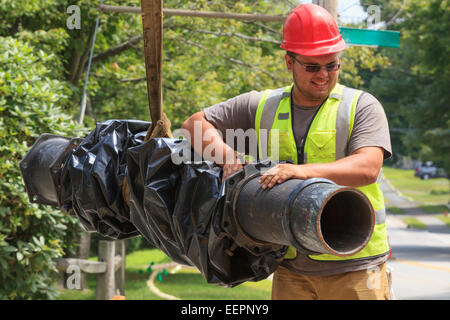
column 175, row 207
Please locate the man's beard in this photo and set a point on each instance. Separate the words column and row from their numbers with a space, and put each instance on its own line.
column 309, row 95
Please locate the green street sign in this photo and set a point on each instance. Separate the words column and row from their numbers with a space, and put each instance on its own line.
column 367, row 37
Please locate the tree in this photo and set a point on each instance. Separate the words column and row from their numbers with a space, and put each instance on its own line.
column 415, row 87
column 204, row 60
column 31, row 236
column 428, row 32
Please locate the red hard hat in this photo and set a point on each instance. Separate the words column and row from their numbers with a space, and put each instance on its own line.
column 311, row 30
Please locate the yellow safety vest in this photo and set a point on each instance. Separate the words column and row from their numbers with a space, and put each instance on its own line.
column 326, row 141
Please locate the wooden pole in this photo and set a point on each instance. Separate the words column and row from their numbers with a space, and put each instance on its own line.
column 152, row 24
column 199, row 14
column 120, row 273
column 105, row 281
column 83, row 253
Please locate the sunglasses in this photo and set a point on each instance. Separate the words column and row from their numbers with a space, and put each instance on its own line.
column 314, row 68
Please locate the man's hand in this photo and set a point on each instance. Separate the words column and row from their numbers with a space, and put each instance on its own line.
column 280, row 173
column 230, row 162
column 229, row 169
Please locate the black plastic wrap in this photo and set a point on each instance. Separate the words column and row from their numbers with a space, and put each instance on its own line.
column 92, row 178
column 175, row 207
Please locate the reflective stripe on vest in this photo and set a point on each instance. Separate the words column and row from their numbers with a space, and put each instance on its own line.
column 274, row 112
column 326, row 141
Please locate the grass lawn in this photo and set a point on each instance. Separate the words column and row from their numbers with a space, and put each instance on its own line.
column 189, row 284
column 184, row 284
column 136, row 277
column 445, row 219
column 414, row 223
column 395, row 210
column 434, row 208
column 433, row 193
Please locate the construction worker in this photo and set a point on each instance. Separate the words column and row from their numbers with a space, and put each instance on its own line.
column 324, row 130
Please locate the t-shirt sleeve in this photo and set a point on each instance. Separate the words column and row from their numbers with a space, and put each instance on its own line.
column 235, row 113
column 370, row 128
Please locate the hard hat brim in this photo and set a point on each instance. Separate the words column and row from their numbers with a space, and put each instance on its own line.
column 318, row 51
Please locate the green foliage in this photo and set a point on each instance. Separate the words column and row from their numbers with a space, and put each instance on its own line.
column 414, row 89
column 427, row 32
column 205, row 61
column 31, row 236
column 357, row 62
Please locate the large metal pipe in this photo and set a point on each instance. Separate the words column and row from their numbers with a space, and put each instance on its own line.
column 314, row 216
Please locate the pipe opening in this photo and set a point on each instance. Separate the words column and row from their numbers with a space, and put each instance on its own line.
column 346, row 222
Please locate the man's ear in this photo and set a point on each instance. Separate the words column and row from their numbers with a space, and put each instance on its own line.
column 289, row 62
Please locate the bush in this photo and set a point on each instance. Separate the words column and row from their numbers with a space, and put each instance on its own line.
column 31, row 236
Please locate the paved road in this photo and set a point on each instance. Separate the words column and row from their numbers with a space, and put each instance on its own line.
column 421, row 258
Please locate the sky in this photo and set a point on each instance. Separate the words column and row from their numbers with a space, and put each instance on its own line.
column 349, row 11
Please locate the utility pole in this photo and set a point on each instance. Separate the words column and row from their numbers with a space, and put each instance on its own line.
column 330, row 5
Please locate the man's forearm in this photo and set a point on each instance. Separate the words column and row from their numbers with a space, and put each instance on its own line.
column 359, row 169
column 204, row 136
column 352, row 171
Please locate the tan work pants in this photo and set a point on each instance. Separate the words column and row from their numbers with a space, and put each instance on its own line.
column 370, row 284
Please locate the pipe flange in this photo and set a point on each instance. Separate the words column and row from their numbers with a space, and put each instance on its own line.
column 230, row 223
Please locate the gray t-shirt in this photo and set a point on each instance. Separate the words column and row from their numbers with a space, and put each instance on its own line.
column 370, row 129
